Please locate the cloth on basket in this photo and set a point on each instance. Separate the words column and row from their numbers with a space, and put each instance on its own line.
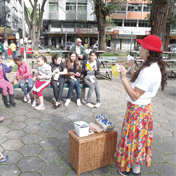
column 95, row 128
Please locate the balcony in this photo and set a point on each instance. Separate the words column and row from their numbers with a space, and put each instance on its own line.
column 15, row 6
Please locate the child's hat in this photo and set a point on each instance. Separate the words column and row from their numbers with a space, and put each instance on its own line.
column 152, row 43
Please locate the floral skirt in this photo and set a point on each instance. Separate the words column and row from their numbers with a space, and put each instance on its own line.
column 135, row 144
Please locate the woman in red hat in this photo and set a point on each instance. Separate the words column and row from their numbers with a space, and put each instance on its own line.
column 135, row 145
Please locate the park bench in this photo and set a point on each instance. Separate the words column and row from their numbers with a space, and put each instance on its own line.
column 81, row 85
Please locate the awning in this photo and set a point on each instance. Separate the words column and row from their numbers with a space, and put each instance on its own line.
column 9, row 37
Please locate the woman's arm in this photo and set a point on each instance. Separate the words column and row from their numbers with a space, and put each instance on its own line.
column 64, row 72
column 133, row 93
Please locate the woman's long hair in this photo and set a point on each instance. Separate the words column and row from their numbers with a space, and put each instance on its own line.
column 152, row 58
column 68, row 61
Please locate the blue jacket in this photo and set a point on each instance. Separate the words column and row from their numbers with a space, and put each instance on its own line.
column 6, row 70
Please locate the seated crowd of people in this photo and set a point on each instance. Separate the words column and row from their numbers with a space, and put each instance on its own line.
column 57, row 74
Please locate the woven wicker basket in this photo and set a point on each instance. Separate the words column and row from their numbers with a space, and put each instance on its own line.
column 92, row 152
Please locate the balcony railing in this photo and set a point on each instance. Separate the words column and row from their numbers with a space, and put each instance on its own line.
column 80, row 16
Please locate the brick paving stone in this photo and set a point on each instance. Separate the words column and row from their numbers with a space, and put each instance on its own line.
column 31, row 150
column 50, row 143
column 17, row 125
column 165, row 169
column 12, row 145
column 52, row 169
column 15, row 134
column 172, row 158
column 9, row 170
column 14, row 157
column 157, row 156
column 30, row 174
column 3, row 138
column 48, row 124
column 161, row 147
column 32, row 122
column 28, row 164
column 31, row 138
column 73, row 173
column 66, row 163
column 32, row 129
column 19, row 118
column 4, row 130
column 51, row 155
column 64, row 147
column 102, row 171
column 171, row 140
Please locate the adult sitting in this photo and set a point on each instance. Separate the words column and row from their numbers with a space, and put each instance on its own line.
column 90, row 69
column 79, row 49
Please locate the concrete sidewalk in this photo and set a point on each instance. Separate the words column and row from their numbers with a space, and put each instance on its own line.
column 37, row 141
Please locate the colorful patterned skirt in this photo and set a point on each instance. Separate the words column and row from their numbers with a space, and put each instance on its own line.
column 135, row 144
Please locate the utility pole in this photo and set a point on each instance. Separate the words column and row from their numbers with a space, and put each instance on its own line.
column 5, row 23
column 24, row 44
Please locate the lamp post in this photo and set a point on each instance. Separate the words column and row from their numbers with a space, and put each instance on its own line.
column 23, row 29
column 5, row 23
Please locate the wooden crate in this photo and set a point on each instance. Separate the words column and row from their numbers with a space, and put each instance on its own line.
column 92, row 152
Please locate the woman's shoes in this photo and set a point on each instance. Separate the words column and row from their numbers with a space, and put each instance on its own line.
column 67, row 102
column 131, row 173
column 97, row 105
column 3, row 158
column 78, row 102
column 89, row 105
column 56, row 106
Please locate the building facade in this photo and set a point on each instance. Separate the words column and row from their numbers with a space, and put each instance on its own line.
column 11, row 17
column 65, row 20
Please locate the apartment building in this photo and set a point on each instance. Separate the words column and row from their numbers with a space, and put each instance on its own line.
column 11, row 17
column 69, row 19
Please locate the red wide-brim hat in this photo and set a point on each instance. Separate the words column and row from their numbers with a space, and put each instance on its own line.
column 152, row 43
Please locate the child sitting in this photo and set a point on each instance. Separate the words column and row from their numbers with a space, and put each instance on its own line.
column 43, row 80
column 72, row 65
column 24, row 74
column 4, row 84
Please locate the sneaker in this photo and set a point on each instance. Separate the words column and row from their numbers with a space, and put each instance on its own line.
column 67, row 102
column 134, row 174
column 40, row 107
column 3, row 158
column 89, row 105
column 34, row 104
column 78, row 102
column 97, row 105
column 125, row 173
column 28, row 98
column 25, row 98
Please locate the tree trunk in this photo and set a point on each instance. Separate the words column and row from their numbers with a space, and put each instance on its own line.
column 101, row 21
column 158, row 18
column 169, row 23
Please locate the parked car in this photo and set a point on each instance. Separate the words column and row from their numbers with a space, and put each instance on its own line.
column 68, row 45
column 95, row 47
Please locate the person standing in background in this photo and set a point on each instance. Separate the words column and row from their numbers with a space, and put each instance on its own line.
column 6, row 46
column 13, row 48
column 18, row 46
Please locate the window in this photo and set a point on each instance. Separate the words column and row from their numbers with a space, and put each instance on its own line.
column 118, row 22
column 70, row 6
column 131, row 23
column 82, row 6
column 120, row 9
column 143, row 23
column 69, row 25
column 53, row 6
column 56, row 24
column 81, row 25
column 146, row 8
column 134, row 7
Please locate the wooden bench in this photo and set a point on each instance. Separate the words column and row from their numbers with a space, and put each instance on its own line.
column 82, row 87
column 107, row 61
column 172, row 71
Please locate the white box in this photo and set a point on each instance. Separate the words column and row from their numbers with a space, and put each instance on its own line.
column 81, row 132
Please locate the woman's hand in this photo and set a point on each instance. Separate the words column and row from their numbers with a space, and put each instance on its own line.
column 19, row 77
column 123, row 72
column 71, row 73
column 95, row 68
column 40, row 77
column 86, row 68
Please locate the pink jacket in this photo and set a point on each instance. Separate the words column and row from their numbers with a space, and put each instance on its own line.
column 25, row 71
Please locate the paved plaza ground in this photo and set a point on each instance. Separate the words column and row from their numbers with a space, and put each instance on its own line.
column 37, row 141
